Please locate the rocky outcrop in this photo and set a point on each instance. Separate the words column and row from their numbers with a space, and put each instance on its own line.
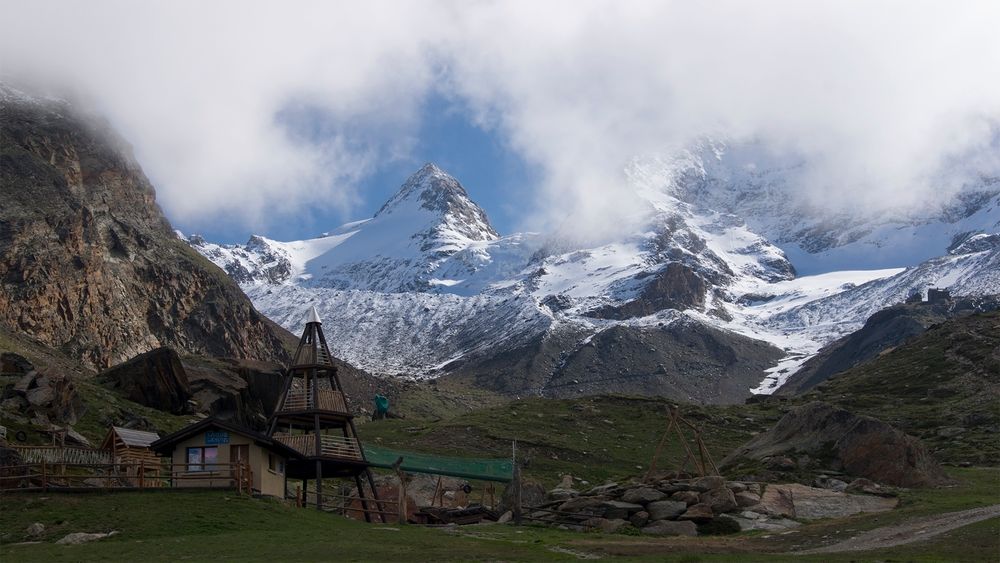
column 155, row 379
column 46, row 397
column 825, row 436
column 244, row 391
column 676, row 286
column 88, row 263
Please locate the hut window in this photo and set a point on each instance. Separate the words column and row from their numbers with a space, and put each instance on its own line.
column 275, row 463
column 202, row 459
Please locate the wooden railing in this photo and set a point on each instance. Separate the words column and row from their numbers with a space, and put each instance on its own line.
column 72, row 476
column 330, row 445
column 62, row 455
column 322, row 399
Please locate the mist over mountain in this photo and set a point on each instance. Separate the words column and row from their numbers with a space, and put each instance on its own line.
column 427, row 288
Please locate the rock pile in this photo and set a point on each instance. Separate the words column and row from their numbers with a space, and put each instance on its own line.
column 686, row 506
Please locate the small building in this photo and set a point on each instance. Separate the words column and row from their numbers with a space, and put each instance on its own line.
column 218, row 453
column 130, row 451
column 936, row 295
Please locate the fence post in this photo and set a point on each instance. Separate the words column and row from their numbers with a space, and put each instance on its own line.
column 298, row 496
column 45, row 477
column 142, row 473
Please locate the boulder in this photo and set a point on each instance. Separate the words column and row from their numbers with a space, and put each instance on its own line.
column 614, row 509
column 562, row 494
column 757, row 522
column 46, row 395
column 83, row 537
column 736, row 486
column 721, row 500
column 776, row 501
column 35, row 529
column 583, row 504
column 505, row 517
column 811, row 503
column 708, row 483
column 155, row 379
column 602, row 489
column 746, row 498
column 639, row 519
column 532, row 494
column 698, row 513
column 831, row 483
column 687, row 497
column 861, row 445
column 668, row 528
column 666, row 509
column 14, row 364
column 866, row 486
column 642, row 495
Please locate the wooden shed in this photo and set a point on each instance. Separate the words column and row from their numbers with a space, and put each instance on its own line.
column 130, row 450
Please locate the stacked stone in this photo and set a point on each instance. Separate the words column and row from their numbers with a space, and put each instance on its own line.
column 679, row 506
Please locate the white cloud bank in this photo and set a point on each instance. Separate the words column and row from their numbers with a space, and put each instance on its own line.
column 879, row 95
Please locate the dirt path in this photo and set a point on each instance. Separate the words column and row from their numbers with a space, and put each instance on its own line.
column 911, row 531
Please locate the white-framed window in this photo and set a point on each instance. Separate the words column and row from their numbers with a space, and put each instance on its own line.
column 202, row 458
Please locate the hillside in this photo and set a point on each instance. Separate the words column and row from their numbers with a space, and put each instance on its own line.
column 89, row 265
column 942, row 386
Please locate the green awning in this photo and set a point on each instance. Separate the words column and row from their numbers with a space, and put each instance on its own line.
column 464, row 467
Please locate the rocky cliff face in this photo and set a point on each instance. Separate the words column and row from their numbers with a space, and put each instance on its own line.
column 89, row 264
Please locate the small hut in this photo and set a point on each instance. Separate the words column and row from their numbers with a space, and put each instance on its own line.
column 130, row 448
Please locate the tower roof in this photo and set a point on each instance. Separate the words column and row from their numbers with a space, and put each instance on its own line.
column 312, row 350
column 313, row 316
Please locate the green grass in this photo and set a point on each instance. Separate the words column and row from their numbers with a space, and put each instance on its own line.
column 593, row 438
column 212, row 525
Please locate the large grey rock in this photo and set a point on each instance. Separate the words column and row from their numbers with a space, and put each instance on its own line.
column 687, row 497
column 35, row 529
column 698, row 512
column 776, row 501
column 614, row 509
column 669, row 528
column 583, row 504
column 721, row 500
column 812, row 503
column 642, row 495
column 666, row 509
column 83, row 537
column 861, row 445
column 708, row 483
column 746, row 498
column 639, row 519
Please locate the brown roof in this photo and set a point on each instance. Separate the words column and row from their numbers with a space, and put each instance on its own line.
column 135, row 438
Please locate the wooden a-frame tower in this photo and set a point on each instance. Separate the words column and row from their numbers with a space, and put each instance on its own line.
column 312, row 418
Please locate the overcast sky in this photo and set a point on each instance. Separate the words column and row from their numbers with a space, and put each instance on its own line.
column 288, row 118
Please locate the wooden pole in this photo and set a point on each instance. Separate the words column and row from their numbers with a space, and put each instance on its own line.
column 298, row 496
column 142, row 473
column 45, row 477
column 517, row 484
column 401, row 491
column 659, row 447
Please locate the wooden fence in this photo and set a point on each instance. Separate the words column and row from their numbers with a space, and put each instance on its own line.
column 64, row 455
column 322, row 399
column 44, row 476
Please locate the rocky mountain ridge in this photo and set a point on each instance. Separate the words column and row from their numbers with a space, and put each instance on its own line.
column 519, row 313
column 88, row 262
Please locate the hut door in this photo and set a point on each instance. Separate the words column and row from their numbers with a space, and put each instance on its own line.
column 239, row 454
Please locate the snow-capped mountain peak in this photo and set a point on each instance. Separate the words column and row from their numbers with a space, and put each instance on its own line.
column 434, row 190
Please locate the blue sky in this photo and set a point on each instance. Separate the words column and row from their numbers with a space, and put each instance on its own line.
column 495, row 176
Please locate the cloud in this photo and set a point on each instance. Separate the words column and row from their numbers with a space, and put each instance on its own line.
column 881, row 98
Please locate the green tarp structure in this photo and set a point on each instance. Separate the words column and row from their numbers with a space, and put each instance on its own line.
column 501, row 470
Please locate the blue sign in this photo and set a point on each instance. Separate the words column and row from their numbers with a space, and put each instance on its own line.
column 213, row 438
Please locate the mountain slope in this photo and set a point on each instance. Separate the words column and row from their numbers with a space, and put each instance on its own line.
column 427, row 288
column 88, row 262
